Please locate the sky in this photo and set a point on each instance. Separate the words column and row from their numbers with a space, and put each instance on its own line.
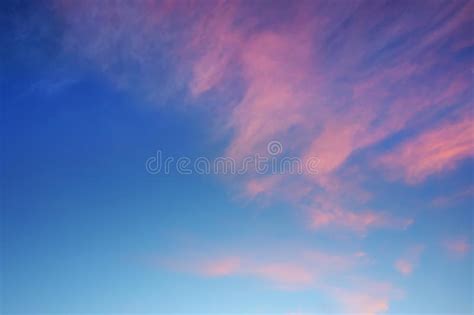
column 372, row 99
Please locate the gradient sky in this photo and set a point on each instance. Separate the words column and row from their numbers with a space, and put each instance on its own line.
column 379, row 91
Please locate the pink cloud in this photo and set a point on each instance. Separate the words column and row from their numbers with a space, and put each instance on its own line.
column 362, row 303
column 308, row 270
column 259, row 186
column 433, row 151
column 334, row 275
column 221, row 267
column 357, row 221
column 280, row 274
column 285, row 275
column 369, row 298
column 304, row 81
column 322, row 88
column 404, row 267
column 406, row 264
column 326, row 213
column 213, row 45
column 457, row 247
column 275, row 67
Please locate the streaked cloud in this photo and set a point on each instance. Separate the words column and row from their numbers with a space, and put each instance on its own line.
column 308, row 270
column 331, row 81
column 434, row 151
column 300, row 270
column 322, row 88
column 328, row 213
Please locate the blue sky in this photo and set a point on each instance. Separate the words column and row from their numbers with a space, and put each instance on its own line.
column 379, row 92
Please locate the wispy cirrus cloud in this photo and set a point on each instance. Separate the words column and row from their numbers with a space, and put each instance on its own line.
column 321, row 87
column 434, row 151
column 326, row 80
column 328, row 213
column 308, row 270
